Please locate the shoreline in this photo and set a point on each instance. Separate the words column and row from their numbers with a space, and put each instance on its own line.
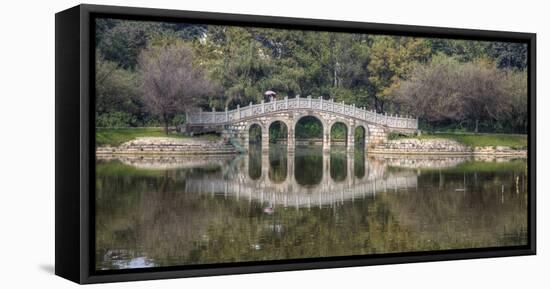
column 166, row 146
column 518, row 153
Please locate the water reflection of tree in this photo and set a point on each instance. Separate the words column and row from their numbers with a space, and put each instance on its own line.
column 150, row 214
column 147, row 213
column 338, row 163
column 308, row 162
column 255, row 161
column 427, row 219
column 278, row 163
column 359, row 163
column 486, row 211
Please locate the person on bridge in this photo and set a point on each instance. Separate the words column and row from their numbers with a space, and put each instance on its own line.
column 270, row 95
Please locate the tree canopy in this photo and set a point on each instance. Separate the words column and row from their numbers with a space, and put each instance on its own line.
column 424, row 77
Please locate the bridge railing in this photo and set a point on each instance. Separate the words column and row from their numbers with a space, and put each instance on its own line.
column 319, row 104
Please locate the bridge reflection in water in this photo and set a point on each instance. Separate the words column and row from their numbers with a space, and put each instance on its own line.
column 178, row 210
column 323, row 178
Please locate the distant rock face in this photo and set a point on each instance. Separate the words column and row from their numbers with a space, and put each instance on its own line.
column 440, row 146
column 165, row 145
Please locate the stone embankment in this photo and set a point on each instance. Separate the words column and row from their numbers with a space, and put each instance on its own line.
column 168, row 161
column 441, row 147
column 174, row 146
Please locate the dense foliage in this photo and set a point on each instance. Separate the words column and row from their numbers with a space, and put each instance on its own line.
column 449, row 84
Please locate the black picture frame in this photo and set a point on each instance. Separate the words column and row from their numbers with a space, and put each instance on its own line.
column 75, row 143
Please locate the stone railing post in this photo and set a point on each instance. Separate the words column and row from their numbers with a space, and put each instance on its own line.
column 200, row 115
column 263, row 106
column 286, row 102
column 385, row 118
column 321, row 102
column 238, row 111
column 226, row 116
column 309, row 100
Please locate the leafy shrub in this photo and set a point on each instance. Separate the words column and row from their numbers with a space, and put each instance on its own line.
column 116, row 119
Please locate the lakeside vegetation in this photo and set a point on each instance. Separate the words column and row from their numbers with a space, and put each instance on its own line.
column 117, row 136
column 151, row 73
column 514, row 141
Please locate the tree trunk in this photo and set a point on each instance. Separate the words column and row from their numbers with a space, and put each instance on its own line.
column 165, row 120
column 379, row 105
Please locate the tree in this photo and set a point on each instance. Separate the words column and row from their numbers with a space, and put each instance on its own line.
column 462, row 50
column 117, row 103
column 431, row 92
column 392, row 58
column 170, row 82
column 446, row 91
column 509, row 55
column 515, row 107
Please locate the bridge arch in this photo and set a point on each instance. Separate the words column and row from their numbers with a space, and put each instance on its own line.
column 339, row 125
column 279, row 128
column 317, row 118
column 361, row 135
column 255, row 131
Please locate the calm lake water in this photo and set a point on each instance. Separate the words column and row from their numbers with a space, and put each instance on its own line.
column 164, row 211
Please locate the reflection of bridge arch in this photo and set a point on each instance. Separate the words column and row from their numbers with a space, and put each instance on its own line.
column 232, row 177
column 262, row 163
column 290, row 193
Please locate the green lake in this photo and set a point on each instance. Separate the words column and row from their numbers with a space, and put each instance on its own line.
column 166, row 211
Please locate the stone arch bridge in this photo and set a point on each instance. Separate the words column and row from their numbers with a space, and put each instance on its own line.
column 235, row 124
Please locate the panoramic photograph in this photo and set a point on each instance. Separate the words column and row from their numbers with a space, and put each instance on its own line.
column 222, row 144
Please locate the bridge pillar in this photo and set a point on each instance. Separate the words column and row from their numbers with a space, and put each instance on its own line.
column 326, row 168
column 351, row 169
column 326, row 138
column 290, row 139
column 246, row 140
column 265, row 140
column 351, row 139
column 265, row 165
column 246, row 159
column 290, row 170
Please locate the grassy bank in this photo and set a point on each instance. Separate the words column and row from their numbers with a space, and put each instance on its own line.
column 514, row 141
column 115, row 137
